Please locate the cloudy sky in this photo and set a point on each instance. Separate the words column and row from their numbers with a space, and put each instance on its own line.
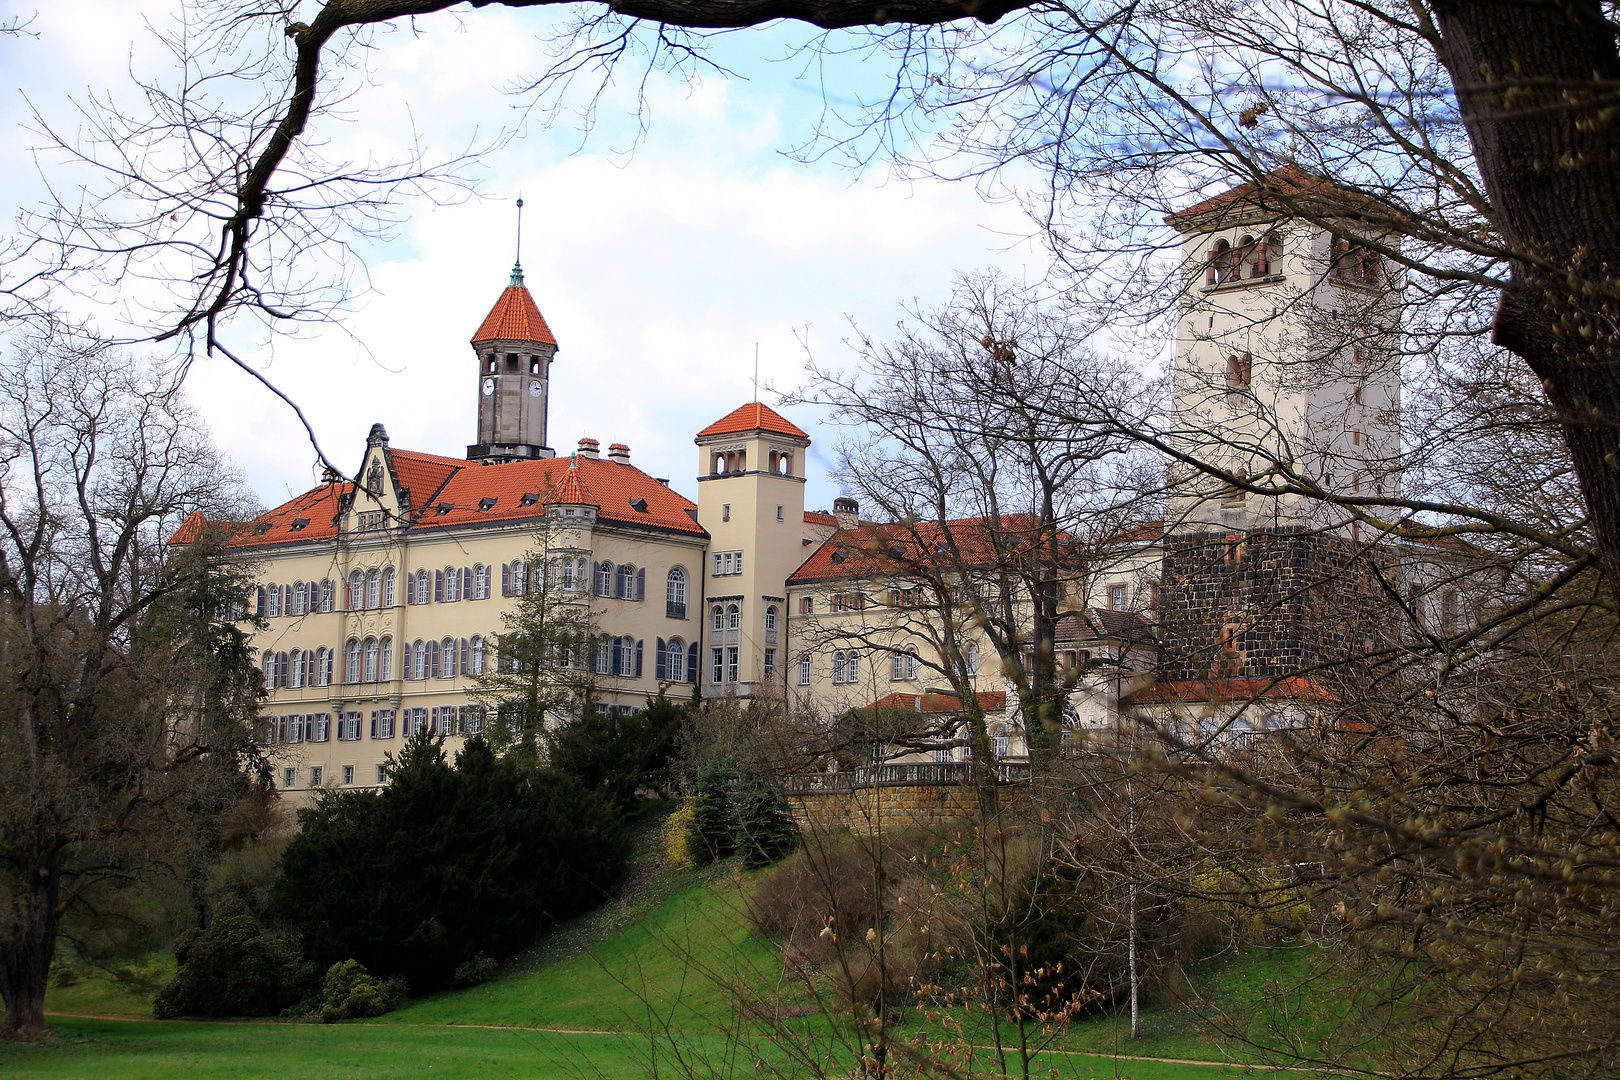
column 660, row 261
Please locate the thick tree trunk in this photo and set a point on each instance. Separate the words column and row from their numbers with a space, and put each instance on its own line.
column 25, row 957
column 1537, row 86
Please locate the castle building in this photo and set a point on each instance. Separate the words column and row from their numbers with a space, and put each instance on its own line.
column 384, row 596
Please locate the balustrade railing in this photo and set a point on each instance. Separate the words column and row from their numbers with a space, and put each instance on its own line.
column 903, row 774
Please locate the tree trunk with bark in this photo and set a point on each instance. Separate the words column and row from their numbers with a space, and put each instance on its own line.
column 1537, row 87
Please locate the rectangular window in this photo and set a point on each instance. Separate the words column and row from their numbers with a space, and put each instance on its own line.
column 317, row 776
column 382, row 774
column 385, row 723
column 770, row 665
column 725, row 511
column 1117, row 597
column 807, row 605
column 804, row 670
column 733, row 654
column 289, row 778
column 779, row 514
column 718, row 671
column 371, row 520
column 348, row 774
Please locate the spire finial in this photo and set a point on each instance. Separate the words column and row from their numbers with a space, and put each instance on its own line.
column 517, row 259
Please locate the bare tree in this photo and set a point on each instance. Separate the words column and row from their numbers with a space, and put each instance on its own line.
column 127, row 696
column 999, row 510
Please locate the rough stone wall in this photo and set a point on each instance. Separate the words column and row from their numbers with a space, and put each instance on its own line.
column 1263, row 604
column 893, row 809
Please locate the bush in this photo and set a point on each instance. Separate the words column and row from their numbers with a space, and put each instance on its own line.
column 480, row 969
column 621, row 755
column 766, row 832
column 714, row 823
column 234, row 967
column 680, row 837
column 351, row 993
column 444, row 864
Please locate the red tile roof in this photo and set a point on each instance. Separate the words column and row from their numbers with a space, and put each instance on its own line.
column 574, row 490
column 989, row 701
column 515, row 317
column 1295, row 687
column 460, row 487
column 819, row 517
column 1288, row 190
column 752, row 417
column 317, row 508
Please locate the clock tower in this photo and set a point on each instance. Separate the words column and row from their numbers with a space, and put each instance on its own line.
column 515, row 348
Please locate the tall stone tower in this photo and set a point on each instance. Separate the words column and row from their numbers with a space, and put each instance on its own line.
column 1287, row 373
column 515, row 348
column 751, row 500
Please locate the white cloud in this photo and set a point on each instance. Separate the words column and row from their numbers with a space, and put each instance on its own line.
column 658, row 273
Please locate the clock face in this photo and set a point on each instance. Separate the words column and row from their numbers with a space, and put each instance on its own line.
column 534, row 388
column 489, row 387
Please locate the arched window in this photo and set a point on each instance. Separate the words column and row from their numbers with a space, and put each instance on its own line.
column 269, row 668
column 356, row 598
column 1001, row 736
column 300, row 599
column 480, row 582
column 1260, row 254
column 770, row 618
column 1221, row 268
column 625, row 582
column 675, row 594
column 903, row 665
column 272, row 603
column 520, row 577
column 452, row 584
column 295, row 674
column 418, row 660
column 351, row 661
column 328, row 595
column 370, row 654
column 719, row 464
column 718, row 618
column 675, row 661
column 323, row 667
column 604, row 655
column 424, row 587
column 374, row 588
column 388, row 587
column 447, row 658
column 477, row 657
column 604, row 578
column 385, row 660
column 973, row 658
column 733, row 617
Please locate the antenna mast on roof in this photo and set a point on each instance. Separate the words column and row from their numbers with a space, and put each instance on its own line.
column 517, row 258
column 756, row 373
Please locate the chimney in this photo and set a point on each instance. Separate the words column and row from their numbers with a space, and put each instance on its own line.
column 848, row 513
column 620, row 453
column 587, row 449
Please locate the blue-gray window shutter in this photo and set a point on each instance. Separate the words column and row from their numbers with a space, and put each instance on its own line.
column 692, row 663
column 438, row 586
column 260, row 609
column 638, row 657
column 641, row 584
column 618, row 656
column 661, row 662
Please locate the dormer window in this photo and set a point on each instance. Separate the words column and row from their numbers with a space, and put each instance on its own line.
column 639, row 505
column 529, row 498
column 299, row 523
column 486, row 503
column 839, row 556
column 444, row 508
column 261, row 528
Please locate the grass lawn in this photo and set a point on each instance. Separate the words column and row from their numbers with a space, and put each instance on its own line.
column 152, row 1050
column 673, row 954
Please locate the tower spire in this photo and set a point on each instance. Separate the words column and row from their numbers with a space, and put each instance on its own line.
column 517, row 258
